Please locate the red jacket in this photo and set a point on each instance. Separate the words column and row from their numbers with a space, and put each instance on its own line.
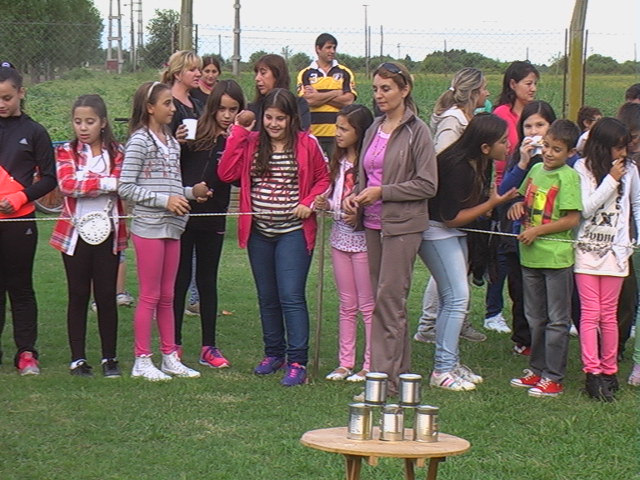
column 313, row 173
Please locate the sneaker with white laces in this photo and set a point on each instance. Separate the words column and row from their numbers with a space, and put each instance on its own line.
column 497, row 323
column 28, row 364
column 546, row 388
column 172, row 365
column 467, row 374
column 450, row 381
column 143, row 367
column 527, row 380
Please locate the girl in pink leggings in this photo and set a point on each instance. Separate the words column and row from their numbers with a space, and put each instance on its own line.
column 610, row 193
column 151, row 180
column 349, row 247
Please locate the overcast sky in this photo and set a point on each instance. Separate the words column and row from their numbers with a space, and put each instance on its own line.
column 614, row 25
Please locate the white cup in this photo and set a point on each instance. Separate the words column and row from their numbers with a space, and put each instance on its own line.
column 191, row 124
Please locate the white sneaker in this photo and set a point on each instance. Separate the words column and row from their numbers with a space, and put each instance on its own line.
column 450, row 381
column 632, row 334
column 467, row 374
column 497, row 323
column 124, row 299
column 172, row 365
column 144, row 368
column 573, row 331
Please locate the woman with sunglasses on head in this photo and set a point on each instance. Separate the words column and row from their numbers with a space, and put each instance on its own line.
column 397, row 176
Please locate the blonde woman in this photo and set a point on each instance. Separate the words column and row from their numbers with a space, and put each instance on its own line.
column 182, row 74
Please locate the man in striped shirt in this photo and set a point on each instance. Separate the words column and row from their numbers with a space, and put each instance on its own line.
column 327, row 86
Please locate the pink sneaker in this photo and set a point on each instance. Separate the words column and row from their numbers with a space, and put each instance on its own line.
column 28, row 364
column 212, row 357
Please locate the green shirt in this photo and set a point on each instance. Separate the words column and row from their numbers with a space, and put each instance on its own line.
column 548, row 195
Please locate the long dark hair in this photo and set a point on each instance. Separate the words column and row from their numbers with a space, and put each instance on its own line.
column 537, row 107
column 607, row 133
column 96, row 103
column 206, row 133
column 360, row 118
column 286, row 102
column 484, row 128
column 516, row 72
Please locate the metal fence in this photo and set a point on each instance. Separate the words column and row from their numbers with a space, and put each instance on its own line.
column 45, row 49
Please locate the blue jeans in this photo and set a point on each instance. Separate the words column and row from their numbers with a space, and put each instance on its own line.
column 494, row 300
column 447, row 260
column 280, row 266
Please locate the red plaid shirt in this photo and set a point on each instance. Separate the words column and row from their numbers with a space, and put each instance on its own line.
column 67, row 164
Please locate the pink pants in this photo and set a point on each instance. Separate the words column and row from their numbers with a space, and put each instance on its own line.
column 351, row 272
column 157, row 266
column 598, row 319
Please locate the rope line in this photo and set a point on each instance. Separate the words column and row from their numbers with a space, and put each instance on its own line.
column 631, row 245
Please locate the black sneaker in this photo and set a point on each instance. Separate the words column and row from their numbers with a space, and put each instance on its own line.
column 110, row 368
column 597, row 389
column 82, row 369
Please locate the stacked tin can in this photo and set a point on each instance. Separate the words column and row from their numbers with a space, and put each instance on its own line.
column 392, row 416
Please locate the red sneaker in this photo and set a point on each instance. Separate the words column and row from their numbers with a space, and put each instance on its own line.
column 528, row 380
column 546, row 388
column 523, row 350
column 28, row 364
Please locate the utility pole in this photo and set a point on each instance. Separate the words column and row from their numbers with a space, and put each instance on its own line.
column 366, row 40
column 118, row 39
column 235, row 58
column 575, row 82
column 185, row 34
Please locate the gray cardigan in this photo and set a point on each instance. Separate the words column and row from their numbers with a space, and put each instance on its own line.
column 148, row 179
column 409, row 176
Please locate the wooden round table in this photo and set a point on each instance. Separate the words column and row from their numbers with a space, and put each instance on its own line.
column 335, row 440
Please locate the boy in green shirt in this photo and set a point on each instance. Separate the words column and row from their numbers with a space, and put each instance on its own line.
column 551, row 207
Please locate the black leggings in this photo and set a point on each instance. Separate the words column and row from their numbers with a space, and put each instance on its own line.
column 18, row 241
column 97, row 265
column 208, row 249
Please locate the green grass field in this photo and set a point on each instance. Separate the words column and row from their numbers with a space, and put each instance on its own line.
column 231, row 425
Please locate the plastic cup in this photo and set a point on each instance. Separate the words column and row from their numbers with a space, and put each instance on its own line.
column 191, row 124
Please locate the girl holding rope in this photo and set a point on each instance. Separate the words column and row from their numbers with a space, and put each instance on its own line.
column 151, row 180
column 281, row 170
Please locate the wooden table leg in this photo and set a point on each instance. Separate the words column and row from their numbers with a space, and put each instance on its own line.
column 354, row 463
column 432, row 473
column 409, row 469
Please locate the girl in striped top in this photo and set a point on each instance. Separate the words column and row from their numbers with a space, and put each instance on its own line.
column 281, row 170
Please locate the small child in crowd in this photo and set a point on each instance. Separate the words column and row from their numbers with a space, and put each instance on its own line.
column 348, row 246
column 587, row 117
column 551, row 207
column 151, row 180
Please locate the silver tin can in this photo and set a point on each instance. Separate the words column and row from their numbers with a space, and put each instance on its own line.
column 425, row 427
column 392, row 423
column 375, row 388
column 360, row 422
column 410, row 389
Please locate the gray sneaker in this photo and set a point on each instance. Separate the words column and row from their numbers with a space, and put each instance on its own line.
column 470, row 333
column 426, row 336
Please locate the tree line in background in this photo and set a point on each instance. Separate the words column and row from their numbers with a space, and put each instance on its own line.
column 34, row 33
column 45, row 38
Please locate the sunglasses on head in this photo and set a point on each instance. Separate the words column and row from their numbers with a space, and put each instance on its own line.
column 393, row 68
